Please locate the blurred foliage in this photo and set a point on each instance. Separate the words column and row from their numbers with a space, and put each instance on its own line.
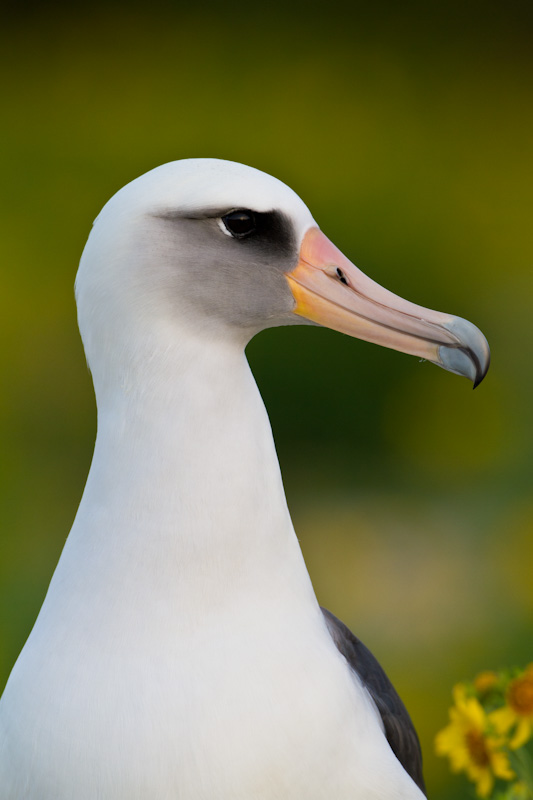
column 407, row 129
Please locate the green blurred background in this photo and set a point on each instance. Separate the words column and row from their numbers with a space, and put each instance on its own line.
column 408, row 131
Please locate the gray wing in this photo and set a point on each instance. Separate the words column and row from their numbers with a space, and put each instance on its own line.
column 399, row 729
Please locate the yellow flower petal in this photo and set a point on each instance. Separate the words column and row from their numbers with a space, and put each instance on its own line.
column 522, row 734
column 503, row 719
column 475, row 711
column 459, row 694
column 501, row 766
column 484, row 783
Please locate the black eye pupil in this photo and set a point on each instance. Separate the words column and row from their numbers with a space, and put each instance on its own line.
column 240, row 223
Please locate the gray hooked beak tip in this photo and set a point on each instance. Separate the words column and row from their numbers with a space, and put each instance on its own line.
column 470, row 357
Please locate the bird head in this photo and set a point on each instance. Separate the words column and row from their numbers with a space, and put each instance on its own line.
column 213, row 248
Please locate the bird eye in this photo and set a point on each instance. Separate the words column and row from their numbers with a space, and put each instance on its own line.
column 240, row 223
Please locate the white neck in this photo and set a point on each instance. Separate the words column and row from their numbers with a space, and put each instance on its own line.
column 184, row 499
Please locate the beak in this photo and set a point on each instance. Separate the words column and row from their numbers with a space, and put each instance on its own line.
column 331, row 291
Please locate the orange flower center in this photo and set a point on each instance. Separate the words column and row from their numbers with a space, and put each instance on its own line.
column 477, row 748
column 520, row 695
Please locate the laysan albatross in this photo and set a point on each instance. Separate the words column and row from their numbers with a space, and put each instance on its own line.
column 180, row 653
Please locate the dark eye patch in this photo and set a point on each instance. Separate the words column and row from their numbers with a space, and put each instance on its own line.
column 272, row 239
column 272, row 230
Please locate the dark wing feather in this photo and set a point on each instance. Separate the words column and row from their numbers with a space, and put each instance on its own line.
column 399, row 729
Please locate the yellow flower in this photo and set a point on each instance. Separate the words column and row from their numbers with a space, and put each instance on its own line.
column 485, row 681
column 470, row 744
column 518, row 710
